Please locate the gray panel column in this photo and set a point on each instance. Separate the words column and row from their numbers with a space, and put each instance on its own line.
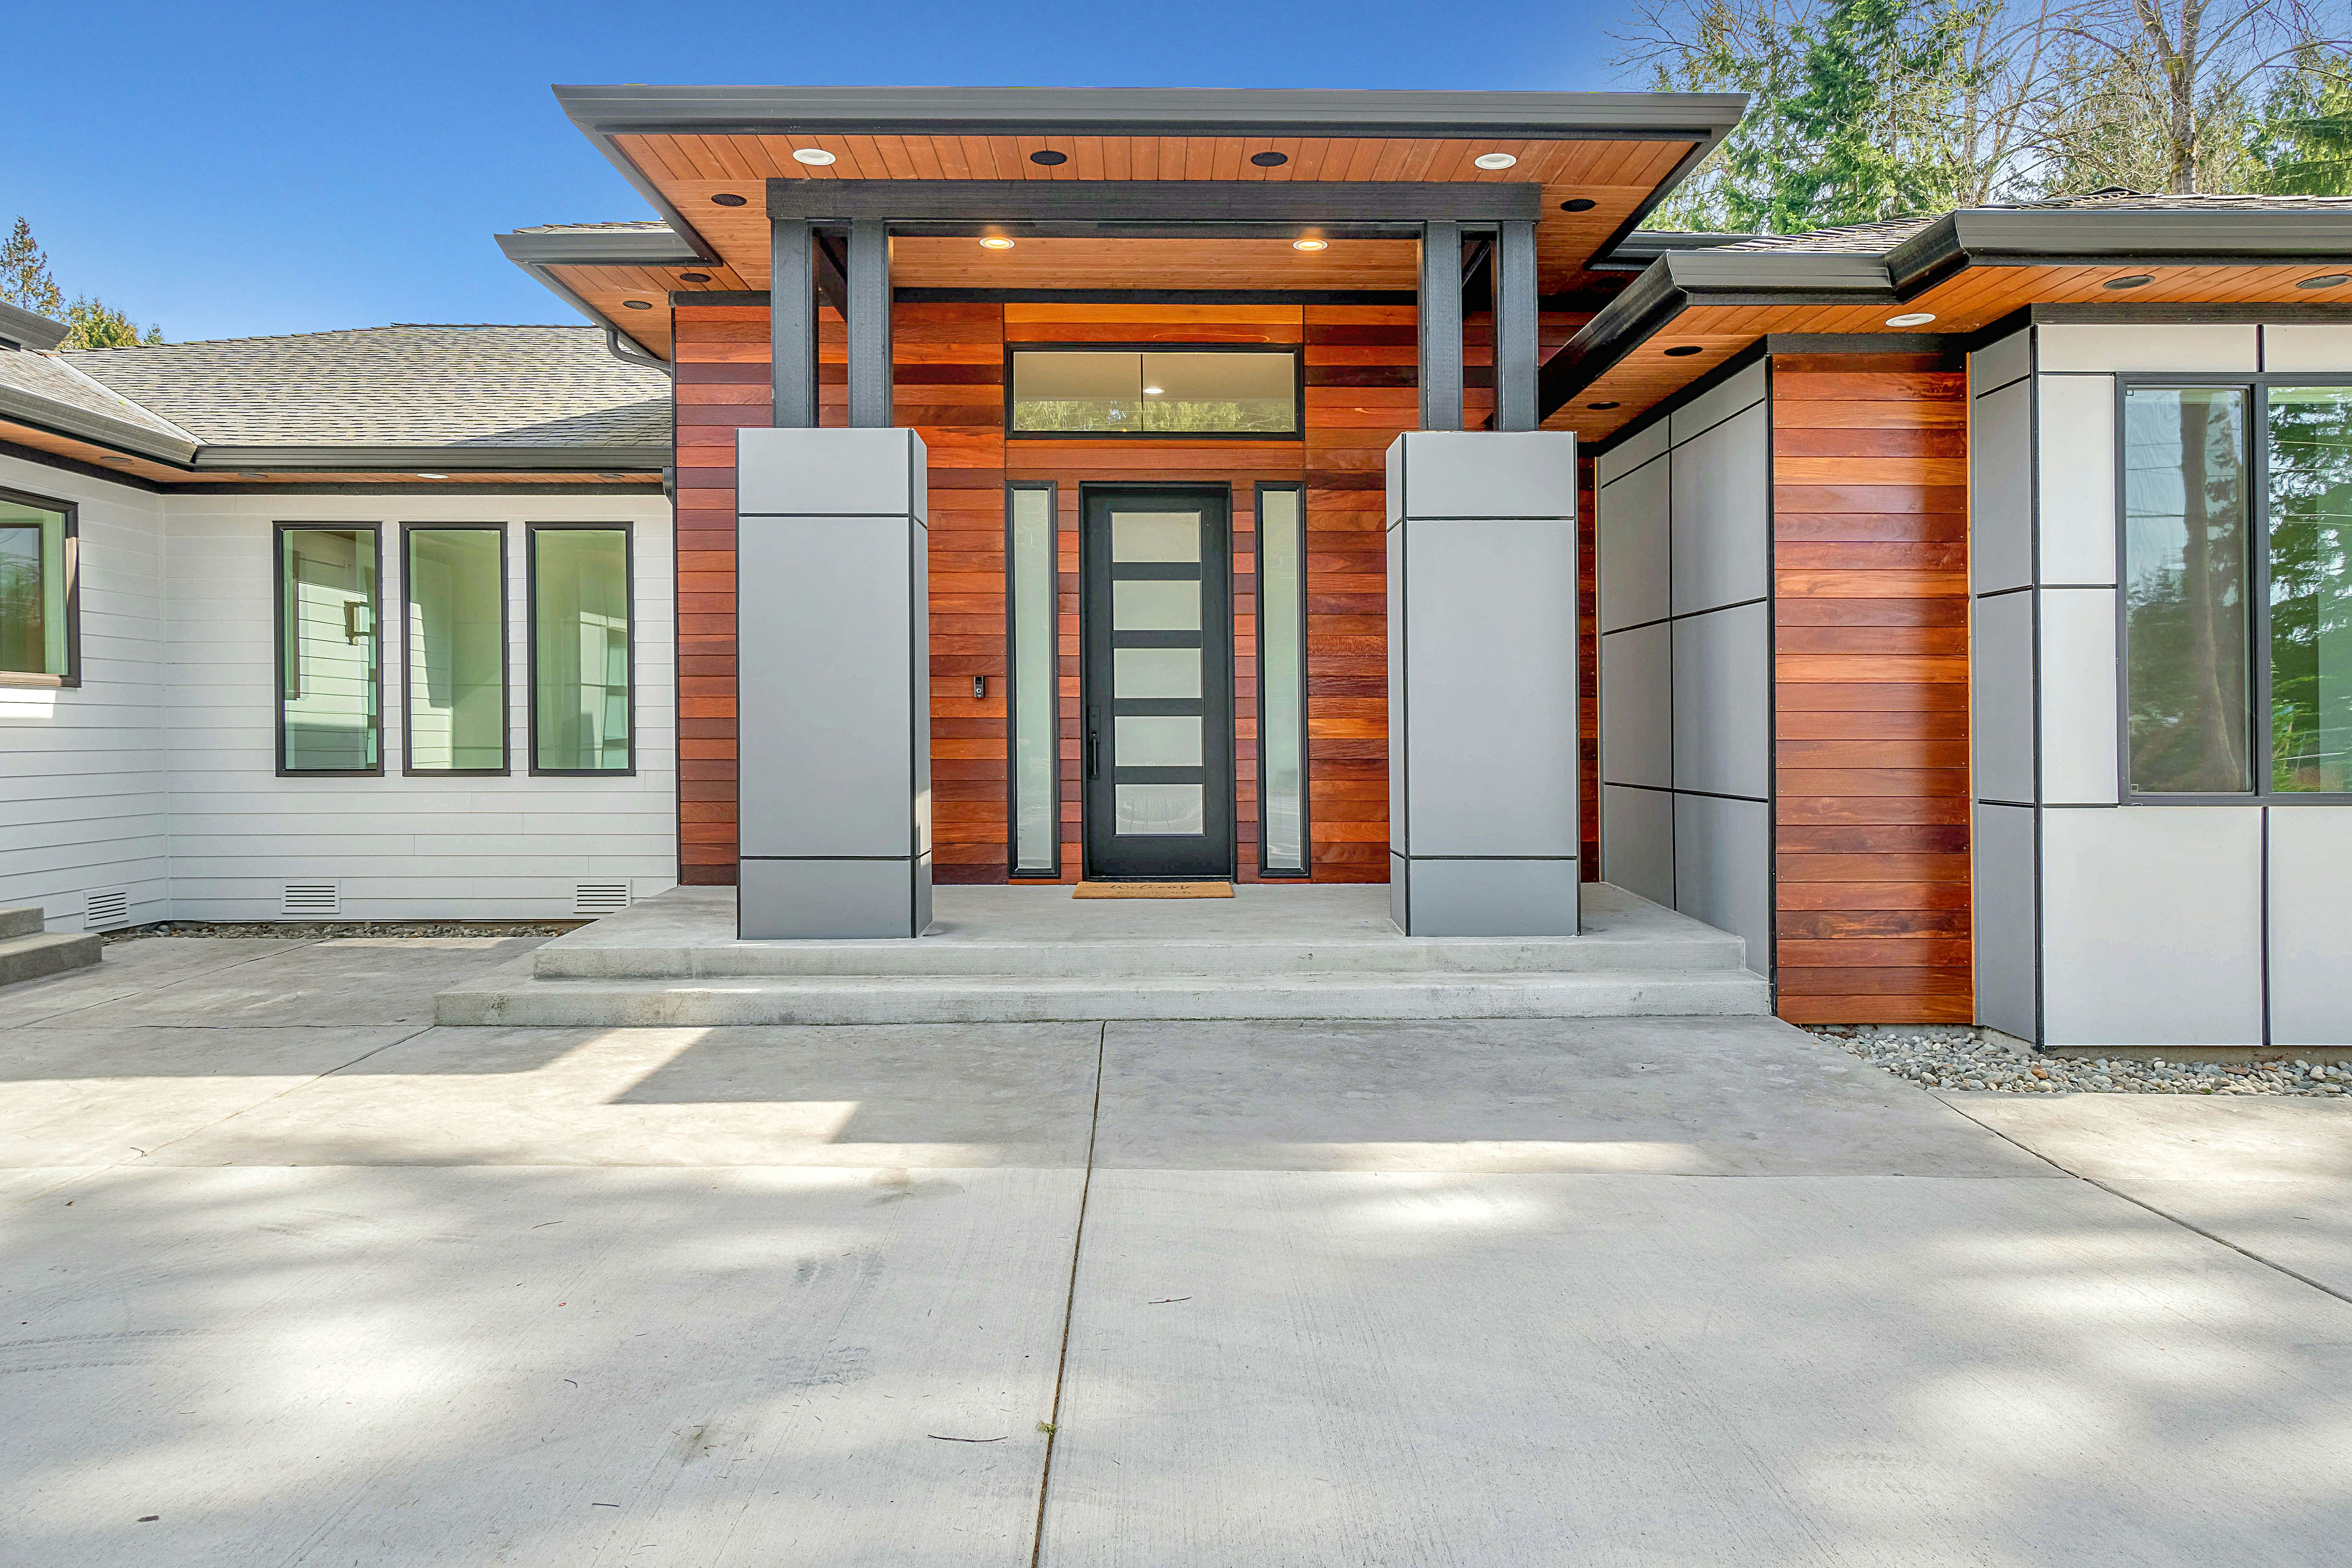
column 1438, row 312
column 1483, row 834
column 832, row 683
column 792, row 322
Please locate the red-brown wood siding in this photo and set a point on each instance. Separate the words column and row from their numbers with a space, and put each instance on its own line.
column 1869, row 568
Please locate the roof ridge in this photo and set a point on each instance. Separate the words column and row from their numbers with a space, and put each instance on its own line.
column 347, row 331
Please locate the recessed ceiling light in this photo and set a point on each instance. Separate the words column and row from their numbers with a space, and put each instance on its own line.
column 816, row 156
column 729, row 199
column 1311, row 245
column 432, row 475
column 1495, row 160
column 995, row 242
column 1597, row 405
column 2134, row 281
column 1151, row 392
column 1578, row 204
column 694, row 276
column 1682, row 351
column 1048, row 157
column 1911, row 318
column 1269, row 160
column 2326, row 280
column 638, row 304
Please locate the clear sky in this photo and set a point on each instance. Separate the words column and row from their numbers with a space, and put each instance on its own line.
column 232, row 169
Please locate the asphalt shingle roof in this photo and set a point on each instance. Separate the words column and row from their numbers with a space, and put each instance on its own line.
column 51, row 377
column 1878, row 238
column 392, row 386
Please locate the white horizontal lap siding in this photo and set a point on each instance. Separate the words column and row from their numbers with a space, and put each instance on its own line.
column 82, row 784
column 398, row 847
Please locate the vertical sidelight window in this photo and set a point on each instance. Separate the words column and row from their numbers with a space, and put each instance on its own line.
column 582, row 655
column 1282, row 679
column 330, row 663
column 2186, row 590
column 455, row 581
column 2310, row 599
column 37, row 601
column 1032, row 588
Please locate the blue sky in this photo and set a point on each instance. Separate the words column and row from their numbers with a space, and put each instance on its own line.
column 233, row 168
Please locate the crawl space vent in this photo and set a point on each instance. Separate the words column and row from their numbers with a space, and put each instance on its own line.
column 107, row 906
column 310, row 900
column 599, row 898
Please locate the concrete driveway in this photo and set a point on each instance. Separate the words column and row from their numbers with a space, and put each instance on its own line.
column 289, row 1278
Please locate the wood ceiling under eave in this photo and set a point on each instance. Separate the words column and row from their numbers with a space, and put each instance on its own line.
column 617, row 291
column 1969, row 301
column 1617, row 176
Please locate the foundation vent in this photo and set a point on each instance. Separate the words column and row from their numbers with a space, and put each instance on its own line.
column 310, row 900
column 599, row 898
column 106, row 908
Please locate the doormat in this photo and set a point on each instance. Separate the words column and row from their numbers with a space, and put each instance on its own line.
column 1152, row 890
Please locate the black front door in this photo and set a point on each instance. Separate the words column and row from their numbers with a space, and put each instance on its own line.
column 1157, row 690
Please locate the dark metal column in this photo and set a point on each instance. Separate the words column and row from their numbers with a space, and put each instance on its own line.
column 792, row 322
column 1516, row 349
column 869, row 322
column 1440, row 313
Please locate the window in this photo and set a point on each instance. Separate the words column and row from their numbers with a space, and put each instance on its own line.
column 1282, row 679
column 39, row 604
column 1032, row 712
column 455, row 582
column 582, row 657
column 2238, row 542
column 330, row 668
column 1154, row 392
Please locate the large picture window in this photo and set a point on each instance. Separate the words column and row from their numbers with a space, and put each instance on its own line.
column 2237, row 589
column 582, row 675
column 455, row 579
column 329, row 666
column 37, row 601
column 1142, row 392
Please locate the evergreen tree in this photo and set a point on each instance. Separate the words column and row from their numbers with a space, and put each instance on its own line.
column 25, row 282
column 2303, row 142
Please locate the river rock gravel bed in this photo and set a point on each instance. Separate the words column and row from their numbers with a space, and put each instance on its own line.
column 1955, row 1062
column 318, row 930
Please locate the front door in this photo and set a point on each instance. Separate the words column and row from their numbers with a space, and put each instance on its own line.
column 1157, row 687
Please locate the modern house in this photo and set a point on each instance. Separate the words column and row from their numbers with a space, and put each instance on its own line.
column 1005, row 486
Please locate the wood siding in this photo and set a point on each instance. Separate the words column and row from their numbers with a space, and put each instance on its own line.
column 1870, row 579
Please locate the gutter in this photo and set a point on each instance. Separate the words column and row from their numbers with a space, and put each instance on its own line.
column 26, row 330
column 86, row 424
column 567, row 459
column 535, row 253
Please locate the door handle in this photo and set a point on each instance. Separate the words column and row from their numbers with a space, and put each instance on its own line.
column 1094, row 742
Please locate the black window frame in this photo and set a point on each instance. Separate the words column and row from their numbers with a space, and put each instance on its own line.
column 1304, row 870
column 408, row 768
column 531, row 531
column 46, row 679
column 2256, row 385
column 1012, row 685
column 277, row 533
column 1296, row 352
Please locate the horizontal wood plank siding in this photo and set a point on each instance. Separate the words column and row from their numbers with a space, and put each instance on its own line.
column 1870, row 540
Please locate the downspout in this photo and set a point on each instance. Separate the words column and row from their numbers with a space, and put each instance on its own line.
column 632, row 354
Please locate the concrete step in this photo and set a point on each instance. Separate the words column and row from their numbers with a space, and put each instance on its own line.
column 513, row 995
column 26, row 922
column 44, row 954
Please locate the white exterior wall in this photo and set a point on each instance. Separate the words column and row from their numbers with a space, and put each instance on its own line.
column 1684, row 525
column 82, row 788
column 2098, row 922
column 160, row 774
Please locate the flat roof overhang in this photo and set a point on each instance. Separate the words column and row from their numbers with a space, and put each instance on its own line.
column 1612, row 154
column 1966, row 271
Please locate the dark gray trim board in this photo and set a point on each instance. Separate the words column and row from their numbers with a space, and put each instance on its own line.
column 433, row 460
column 1023, row 206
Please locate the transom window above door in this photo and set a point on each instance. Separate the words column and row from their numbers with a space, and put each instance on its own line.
column 1130, row 393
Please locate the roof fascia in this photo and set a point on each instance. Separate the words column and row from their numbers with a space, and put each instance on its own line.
column 544, row 459
column 86, row 425
column 34, row 330
column 1125, row 205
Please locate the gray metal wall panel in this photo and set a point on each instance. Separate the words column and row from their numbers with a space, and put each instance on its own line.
column 2080, row 695
column 1723, row 701
column 1490, row 685
column 810, row 473
column 1718, row 404
column 824, row 686
column 1494, row 898
column 824, row 899
column 1637, row 707
column 2326, row 350
column 1486, row 473
column 1999, row 363
column 2003, row 920
column 2075, row 469
column 2152, row 926
column 1723, row 868
column 2000, row 697
column 2001, row 490
column 2157, row 346
column 2310, row 912
column 1637, row 841
column 918, row 683
column 1723, row 514
column 1631, row 453
column 1631, row 531
column 1400, row 699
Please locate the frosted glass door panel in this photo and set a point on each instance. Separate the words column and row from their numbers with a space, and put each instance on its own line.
column 1172, row 536
column 1157, row 742
column 1149, row 605
column 1159, row 810
column 1155, row 672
